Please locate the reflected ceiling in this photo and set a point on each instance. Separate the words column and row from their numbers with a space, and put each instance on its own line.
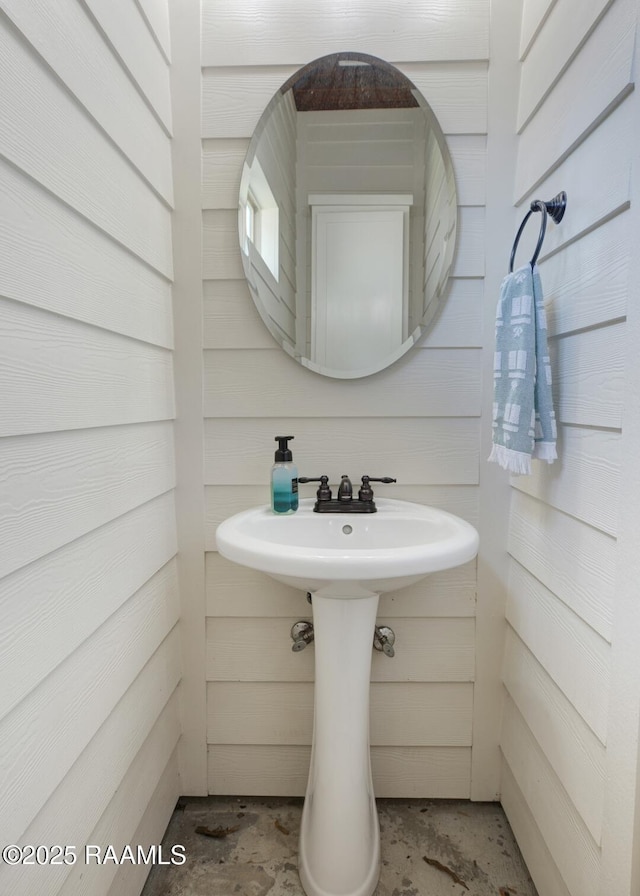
column 346, row 81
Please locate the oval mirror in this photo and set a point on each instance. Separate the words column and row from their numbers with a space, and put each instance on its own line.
column 347, row 215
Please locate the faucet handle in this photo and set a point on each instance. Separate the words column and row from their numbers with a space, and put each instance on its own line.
column 366, row 492
column 324, row 492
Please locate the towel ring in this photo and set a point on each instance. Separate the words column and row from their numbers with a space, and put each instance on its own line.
column 555, row 208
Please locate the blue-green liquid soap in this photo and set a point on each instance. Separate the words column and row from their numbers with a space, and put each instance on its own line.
column 284, row 488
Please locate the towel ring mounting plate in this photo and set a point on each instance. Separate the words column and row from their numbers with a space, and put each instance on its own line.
column 555, row 208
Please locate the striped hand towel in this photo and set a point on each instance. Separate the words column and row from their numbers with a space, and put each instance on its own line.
column 524, row 423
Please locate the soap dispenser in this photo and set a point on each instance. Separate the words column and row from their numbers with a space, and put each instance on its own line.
column 284, row 479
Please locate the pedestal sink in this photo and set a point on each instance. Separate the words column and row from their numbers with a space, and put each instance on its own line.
column 346, row 561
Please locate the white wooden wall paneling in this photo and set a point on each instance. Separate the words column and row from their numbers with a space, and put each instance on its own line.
column 588, row 371
column 451, row 641
column 233, row 99
column 410, row 387
column 576, row 119
column 470, row 243
column 620, row 839
column 45, row 734
column 588, row 279
column 50, row 258
column 86, row 233
column 572, row 653
column 222, row 501
column 564, row 831
column 425, row 30
column 238, row 591
column 118, row 202
column 230, row 318
column 222, row 161
column 234, row 590
column 85, row 377
column 398, row 772
column 126, row 810
column 493, row 492
column 232, row 321
column 156, row 15
column 134, row 43
column 457, row 94
column 187, row 299
column 408, row 452
column 603, row 162
column 252, row 770
column 282, row 713
column 68, row 41
column 221, row 258
column 59, row 486
column 68, row 814
column 52, row 605
column 469, row 157
column 438, row 715
column 607, row 199
column 564, row 32
column 449, row 593
column 259, row 649
column 129, row 880
column 587, row 486
column 534, row 14
column 283, row 770
column 543, row 869
column 601, row 72
column 571, row 559
column 571, row 748
column 440, row 772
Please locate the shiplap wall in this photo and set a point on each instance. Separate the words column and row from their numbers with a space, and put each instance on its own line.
column 418, row 421
column 89, row 649
column 563, row 734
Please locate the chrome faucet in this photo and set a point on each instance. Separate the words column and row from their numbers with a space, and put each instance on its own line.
column 345, row 502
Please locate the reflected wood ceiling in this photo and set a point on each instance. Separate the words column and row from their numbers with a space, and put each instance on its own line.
column 350, row 81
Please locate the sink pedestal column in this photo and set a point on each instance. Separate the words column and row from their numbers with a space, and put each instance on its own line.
column 340, row 834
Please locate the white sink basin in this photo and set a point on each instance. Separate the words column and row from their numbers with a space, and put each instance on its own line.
column 348, row 553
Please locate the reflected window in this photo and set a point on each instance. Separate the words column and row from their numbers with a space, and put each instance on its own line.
column 261, row 220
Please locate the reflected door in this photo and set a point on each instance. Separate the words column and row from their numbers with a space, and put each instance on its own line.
column 359, row 296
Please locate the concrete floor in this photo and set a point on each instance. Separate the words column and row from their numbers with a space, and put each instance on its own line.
column 472, row 842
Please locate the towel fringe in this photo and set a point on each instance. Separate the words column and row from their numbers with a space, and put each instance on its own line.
column 517, row 462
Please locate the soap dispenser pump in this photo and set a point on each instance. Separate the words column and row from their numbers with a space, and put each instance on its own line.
column 284, row 479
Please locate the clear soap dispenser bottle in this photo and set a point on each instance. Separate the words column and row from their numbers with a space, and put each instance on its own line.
column 284, row 479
